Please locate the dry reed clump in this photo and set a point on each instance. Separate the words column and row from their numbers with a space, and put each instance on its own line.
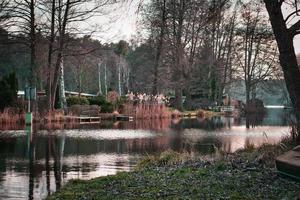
column 51, row 116
column 145, row 110
column 168, row 157
column 11, row 116
column 176, row 113
column 200, row 113
column 295, row 133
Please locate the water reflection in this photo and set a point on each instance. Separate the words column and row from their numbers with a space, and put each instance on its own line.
column 34, row 163
column 31, row 157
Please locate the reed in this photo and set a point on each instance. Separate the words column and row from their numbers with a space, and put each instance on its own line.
column 10, row 116
column 56, row 116
column 176, row 114
column 13, row 119
column 295, row 133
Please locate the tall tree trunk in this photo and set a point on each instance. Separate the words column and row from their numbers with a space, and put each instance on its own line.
column 32, row 44
column 119, row 79
column 33, row 70
column 178, row 99
column 99, row 79
column 62, row 30
column 105, row 79
column 56, row 77
column 159, row 49
column 247, row 88
column 287, row 56
column 62, row 91
column 80, row 82
column 49, row 67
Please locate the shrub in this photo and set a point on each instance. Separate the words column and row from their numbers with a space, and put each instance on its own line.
column 77, row 101
column 8, row 91
column 106, row 106
column 99, row 100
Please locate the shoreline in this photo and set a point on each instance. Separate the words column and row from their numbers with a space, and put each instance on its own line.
column 59, row 118
column 246, row 174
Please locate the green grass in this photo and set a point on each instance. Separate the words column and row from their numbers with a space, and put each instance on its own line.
column 247, row 174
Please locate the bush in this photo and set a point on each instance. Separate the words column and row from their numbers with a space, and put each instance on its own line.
column 77, row 101
column 8, row 91
column 106, row 106
column 99, row 100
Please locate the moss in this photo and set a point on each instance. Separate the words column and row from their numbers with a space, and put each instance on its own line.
column 220, row 166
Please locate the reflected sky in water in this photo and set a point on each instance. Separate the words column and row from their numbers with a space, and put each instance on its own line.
column 35, row 163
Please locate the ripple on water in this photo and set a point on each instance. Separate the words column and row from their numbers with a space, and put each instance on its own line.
column 102, row 134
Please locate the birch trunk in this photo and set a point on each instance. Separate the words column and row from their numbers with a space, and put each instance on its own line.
column 119, row 80
column 105, row 79
column 99, row 79
column 62, row 92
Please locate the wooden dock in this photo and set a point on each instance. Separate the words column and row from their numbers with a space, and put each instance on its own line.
column 89, row 120
column 124, row 118
column 189, row 115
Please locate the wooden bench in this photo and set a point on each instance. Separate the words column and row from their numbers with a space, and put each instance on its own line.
column 288, row 164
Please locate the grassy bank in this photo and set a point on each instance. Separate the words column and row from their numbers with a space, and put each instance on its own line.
column 248, row 174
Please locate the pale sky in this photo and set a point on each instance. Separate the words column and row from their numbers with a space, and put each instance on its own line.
column 120, row 23
column 297, row 44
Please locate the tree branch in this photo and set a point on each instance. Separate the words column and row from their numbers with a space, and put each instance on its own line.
column 295, row 28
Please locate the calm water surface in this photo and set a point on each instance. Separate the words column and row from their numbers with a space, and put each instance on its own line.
column 35, row 163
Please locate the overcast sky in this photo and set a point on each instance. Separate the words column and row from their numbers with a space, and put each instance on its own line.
column 122, row 24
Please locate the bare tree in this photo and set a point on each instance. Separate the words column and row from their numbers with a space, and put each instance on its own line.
column 177, row 29
column 5, row 13
column 159, row 21
column 24, row 15
column 65, row 17
column 285, row 29
column 257, row 54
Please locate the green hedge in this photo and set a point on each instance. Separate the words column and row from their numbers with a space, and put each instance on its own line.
column 77, row 101
column 8, row 90
column 106, row 106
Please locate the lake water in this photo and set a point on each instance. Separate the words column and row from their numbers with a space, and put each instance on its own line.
column 35, row 163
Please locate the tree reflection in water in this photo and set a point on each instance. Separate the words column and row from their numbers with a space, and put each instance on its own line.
column 254, row 119
column 35, row 164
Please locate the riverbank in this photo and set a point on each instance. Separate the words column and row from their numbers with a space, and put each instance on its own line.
column 11, row 119
column 246, row 174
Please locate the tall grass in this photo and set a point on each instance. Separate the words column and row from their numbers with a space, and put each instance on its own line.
column 12, row 119
column 10, row 116
column 168, row 157
column 295, row 133
column 52, row 116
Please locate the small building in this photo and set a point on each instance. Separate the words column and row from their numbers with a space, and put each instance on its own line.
column 21, row 94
